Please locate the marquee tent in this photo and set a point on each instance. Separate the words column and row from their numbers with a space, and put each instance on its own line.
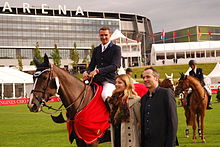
column 14, row 83
column 131, row 49
column 215, row 74
column 205, row 51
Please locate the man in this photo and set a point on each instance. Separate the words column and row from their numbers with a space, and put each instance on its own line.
column 129, row 71
column 197, row 72
column 105, row 61
column 158, row 113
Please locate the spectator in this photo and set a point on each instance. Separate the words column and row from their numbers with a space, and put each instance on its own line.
column 124, row 114
column 158, row 113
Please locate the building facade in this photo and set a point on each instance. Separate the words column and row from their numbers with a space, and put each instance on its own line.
column 190, row 34
column 22, row 28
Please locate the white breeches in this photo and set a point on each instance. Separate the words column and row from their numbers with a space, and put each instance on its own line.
column 107, row 90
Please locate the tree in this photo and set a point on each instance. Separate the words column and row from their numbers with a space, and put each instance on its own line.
column 20, row 65
column 74, row 55
column 56, row 56
column 37, row 54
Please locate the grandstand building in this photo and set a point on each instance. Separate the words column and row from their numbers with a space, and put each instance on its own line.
column 22, row 27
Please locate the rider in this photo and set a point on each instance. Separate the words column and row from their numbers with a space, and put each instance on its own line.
column 197, row 72
column 105, row 61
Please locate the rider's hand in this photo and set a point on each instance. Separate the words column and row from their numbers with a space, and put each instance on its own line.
column 85, row 75
column 93, row 73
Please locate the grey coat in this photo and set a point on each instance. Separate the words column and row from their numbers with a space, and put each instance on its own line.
column 130, row 131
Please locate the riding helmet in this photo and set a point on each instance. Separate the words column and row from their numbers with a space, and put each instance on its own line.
column 192, row 62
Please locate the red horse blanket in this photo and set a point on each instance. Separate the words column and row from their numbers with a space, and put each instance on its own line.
column 140, row 89
column 91, row 123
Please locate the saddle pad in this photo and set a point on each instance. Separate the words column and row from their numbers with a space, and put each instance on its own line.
column 91, row 123
column 140, row 89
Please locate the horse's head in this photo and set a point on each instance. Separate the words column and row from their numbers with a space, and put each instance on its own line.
column 45, row 85
column 182, row 84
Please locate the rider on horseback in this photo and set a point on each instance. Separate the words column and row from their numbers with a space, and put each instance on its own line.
column 197, row 72
column 105, row 61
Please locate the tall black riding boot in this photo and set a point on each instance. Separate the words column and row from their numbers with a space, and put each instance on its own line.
column 208, row 105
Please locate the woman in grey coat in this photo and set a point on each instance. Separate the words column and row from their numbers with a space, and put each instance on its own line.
column 125, row 114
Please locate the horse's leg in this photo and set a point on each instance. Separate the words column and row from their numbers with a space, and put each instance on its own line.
column 198, row 124
column 202, row 127
column 95, row 144
column 81, row 143
column 193, row 126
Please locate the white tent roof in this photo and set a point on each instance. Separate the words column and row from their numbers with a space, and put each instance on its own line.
column 187, row 72
column 121, row 71
column 215, row 72
column 10, row 75
column 117, row 34
column 184, row 46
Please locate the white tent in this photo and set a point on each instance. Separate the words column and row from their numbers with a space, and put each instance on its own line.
column 215, row 74
column 205, row 51
column 13, row 81
column 121, row 71
column 131, row 49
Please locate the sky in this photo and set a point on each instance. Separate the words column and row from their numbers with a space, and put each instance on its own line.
column 169, row 15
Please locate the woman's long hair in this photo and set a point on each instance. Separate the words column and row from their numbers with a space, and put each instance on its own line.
column 129, row 91
column 119, row 101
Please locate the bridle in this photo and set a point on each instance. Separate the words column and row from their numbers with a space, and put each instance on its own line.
column 42, row 99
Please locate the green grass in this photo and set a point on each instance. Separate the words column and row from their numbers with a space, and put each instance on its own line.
column 175, row 69
column 21, row 128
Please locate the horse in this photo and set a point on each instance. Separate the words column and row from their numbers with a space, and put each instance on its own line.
column 183, row 99
column 198, row 102
column 167, row 82
column 74, row 94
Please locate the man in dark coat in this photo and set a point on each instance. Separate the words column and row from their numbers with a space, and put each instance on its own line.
column 158, row 113
column 105, row 61
column 197, row 72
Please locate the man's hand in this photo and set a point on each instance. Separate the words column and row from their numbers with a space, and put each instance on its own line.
column 85, row 76
column 93, row 73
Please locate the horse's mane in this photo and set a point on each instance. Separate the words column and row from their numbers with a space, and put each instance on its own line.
column 66, row 73
column 194, row 79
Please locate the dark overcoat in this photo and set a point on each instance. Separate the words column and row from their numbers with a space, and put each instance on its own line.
column 106, row 62
column 158, row 119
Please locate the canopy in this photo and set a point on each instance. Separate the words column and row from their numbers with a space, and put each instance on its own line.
column 215, row 74
column 10, row 75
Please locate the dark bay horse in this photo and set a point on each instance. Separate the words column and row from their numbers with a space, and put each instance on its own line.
column 198, row 102
column 74, row 94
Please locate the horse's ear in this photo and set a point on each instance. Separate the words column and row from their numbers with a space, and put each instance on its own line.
column 166, row 75
column 46, row 59
column 37, row 62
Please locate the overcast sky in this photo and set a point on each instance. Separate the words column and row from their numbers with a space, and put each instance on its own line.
column 164, row 14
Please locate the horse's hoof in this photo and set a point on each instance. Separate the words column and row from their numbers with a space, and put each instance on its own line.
column 203, row 141
column 194, row 141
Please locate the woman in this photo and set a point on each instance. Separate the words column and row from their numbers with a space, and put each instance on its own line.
column 124, row 114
